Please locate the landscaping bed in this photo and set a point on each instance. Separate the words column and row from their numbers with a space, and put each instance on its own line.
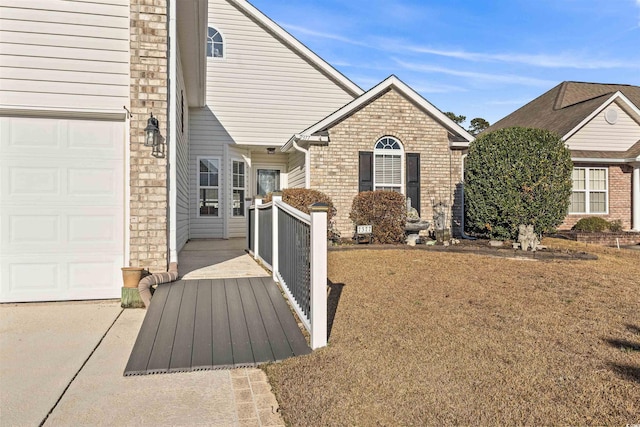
column 433, row 337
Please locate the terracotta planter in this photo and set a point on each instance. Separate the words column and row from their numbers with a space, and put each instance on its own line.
column 131, row 276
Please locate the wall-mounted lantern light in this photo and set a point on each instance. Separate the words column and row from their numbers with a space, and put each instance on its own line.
column 152, row 133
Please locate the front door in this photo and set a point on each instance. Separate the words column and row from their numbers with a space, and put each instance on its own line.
column 268, row 181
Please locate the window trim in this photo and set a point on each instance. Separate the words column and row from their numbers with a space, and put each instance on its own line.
column 210, row 39
column 234, row 188
column 200, row 187
column 587, row 191
column 400, row 153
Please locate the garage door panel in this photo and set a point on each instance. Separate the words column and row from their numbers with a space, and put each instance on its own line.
column 62, row 210
column 54, row 230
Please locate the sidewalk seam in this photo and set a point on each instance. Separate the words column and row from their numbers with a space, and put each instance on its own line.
column 81, row 368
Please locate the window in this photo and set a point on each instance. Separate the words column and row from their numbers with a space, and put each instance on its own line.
column 209, row 187
column 215, row 44
column 589, row 191
column 238, row 188
column 387, row 165
column 268, row 181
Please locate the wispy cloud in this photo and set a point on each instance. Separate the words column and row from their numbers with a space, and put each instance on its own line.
column 537, row 60
column 483, row 77
column 302, row 30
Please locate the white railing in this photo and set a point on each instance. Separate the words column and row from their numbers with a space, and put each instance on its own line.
column 294, row 246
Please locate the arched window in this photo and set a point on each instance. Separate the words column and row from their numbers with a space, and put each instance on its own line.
column 387, row 165
column 215, row 44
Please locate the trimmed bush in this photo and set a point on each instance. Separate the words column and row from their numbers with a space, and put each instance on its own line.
column 615, row 225
column 302, row 198
column 595, row 224
column 386, row 211
column 517, row 176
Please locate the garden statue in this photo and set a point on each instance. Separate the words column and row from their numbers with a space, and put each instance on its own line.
column 527, row 237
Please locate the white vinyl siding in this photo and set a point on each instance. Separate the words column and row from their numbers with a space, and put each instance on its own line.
column 58, row 54
column 182, row 166
column 296, row 170
column 206, row 139
column 263, row 92
column 600, row 135
column 590, row 191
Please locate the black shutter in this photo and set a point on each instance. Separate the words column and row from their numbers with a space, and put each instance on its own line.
column 365, row 175
column 413, row 180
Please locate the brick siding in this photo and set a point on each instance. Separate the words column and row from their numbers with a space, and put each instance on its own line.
column 620, row 190
column 334, row 168
column 148, row 88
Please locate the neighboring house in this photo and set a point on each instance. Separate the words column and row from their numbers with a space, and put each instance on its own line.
column 600, row 124
column 80, row 193
column 389, row 138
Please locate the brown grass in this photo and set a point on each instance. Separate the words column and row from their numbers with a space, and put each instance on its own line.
column 435, row 338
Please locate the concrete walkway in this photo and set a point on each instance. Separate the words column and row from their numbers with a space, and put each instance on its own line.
column 62, row 364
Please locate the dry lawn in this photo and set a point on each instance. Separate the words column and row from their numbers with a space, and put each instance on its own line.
column 432, row 338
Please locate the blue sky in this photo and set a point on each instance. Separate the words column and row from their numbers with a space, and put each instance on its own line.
column 478, row 59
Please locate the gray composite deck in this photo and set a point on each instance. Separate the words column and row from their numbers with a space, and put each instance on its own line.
column 215, row 324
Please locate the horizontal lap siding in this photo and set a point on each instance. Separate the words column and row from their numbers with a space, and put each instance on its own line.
column 59, row 54
column 599, row 135
column 182, row 167
column 296, row 170
column 262, row 91
column 206, row 139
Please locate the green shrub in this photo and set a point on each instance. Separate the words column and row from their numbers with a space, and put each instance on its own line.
column 595, row 224
column 516, row 176
column 302, row 198
column 386, row 211
column 615, row 225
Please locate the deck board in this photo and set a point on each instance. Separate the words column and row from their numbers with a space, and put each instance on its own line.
column 214, row 324
column 222, row 348
column 202, row 356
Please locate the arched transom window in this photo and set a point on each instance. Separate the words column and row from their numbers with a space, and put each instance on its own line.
column 387, row 165
column 215, row 44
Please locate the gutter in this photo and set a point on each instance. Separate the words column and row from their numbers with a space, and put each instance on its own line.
column 311, row 139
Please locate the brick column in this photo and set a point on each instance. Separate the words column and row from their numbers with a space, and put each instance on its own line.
column 148, row 92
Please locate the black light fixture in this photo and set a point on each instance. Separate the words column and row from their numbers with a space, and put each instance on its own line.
column 152, row 133
column 271, row 150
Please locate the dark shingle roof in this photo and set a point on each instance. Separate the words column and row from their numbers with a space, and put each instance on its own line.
column 563, row 108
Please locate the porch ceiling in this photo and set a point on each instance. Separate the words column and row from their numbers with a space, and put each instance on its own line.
column 191, row 23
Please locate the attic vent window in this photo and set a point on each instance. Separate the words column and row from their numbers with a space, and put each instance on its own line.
column 215, row 44
column 611, row 116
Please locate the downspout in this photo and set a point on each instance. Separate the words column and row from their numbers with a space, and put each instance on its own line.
column 144, row 286
column 307, row 164
column 173, row 131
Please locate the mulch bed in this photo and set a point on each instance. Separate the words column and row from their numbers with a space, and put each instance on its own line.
column 481, row 247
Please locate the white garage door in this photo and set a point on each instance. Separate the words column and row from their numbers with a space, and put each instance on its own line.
column 61, row 209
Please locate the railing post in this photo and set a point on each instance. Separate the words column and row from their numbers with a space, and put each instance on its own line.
column 276, row 198
column 318, row 315
column 247, row 214
column 256, row 237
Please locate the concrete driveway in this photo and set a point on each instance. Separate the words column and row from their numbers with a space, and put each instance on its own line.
column 62, row 364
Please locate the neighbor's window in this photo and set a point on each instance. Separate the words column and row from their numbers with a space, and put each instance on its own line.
column 590, row 189
column 209, row 187
column 215, row 44
column 387, row 165
column 238, row 188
